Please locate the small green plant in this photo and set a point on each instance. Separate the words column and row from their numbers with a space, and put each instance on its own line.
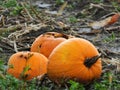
column 2, row 67
column 70, row 6
column 109, row 83
column 75, row 86
column 73, row 19
column 1, row 2
column 1, row 49
column 16, row 10
column 13, row 6
column 59, row 2
column 111, row 38
column 9, row 3
column 116, row 6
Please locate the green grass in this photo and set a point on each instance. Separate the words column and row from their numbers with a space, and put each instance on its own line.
column 59, row 2
column 110, row 38
column 75, row 86
column 13, row 6
column 72, row 19
column 8, row 82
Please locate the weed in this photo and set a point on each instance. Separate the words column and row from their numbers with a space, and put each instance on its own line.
column 111, row 38
column 75, row 86
column 72, row 19
column 116, row 6
column 59, row 2
column 110, row 82
column 13, row 6
column 9, row 3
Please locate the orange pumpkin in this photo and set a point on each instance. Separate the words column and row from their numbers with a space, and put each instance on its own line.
column 27, row 65
column 75, row 59
column 46, row 42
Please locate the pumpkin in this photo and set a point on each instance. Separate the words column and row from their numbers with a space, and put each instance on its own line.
column 27, row 65
column 46, row 42
column 75, row 59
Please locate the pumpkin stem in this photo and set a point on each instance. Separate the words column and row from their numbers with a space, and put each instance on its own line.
column 90, row 61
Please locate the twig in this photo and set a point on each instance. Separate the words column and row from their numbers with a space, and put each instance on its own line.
column 62, row 8
column 96, row 6
column 26, row 11
column 28, row 29
column 11, row 28
column 2, row 20
column 5, row 47
column 7, row 42
column 15, row 46
column 37, row 15
column 108, row 15
column 115, row 28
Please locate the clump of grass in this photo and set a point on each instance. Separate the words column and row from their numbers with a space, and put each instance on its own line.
column 111, row 38
column 72, row 19
column 116, row 6
column 14, row 7
column 75, row 86
column 59, row 2
column 110, row 82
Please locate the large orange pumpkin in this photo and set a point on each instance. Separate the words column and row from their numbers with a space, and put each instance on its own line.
column 27, row 65
column 75, row 59
column 46, row 42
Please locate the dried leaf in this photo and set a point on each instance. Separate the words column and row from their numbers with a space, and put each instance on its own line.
column 112, row 61
column 108, row 21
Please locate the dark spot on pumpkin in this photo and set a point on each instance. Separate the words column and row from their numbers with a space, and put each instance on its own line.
column 52, row 34
column 21, row 55
column 40, row 45
column 65, row 36
column 30, row 55
column 26, row 57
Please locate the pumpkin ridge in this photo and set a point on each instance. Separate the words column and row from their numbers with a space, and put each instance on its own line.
column 90, row 61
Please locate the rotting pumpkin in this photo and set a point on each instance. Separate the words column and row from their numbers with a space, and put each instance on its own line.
column 46, row 42
column 27, row 65
column 75, row 59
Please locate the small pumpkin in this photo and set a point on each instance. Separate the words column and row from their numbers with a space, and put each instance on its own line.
column 46, row 42
column 27, row 65
column 75, row 59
